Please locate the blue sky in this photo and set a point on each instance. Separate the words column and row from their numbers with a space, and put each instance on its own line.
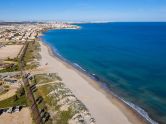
column 83, row 10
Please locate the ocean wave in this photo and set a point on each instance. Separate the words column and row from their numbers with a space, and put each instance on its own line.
column 141, row 112
column 78, row 66
column 57, row 52
column 138, row 109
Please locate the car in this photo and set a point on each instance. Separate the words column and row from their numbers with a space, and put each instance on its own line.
column 33, row 86
column 4, row 110
column 92, row 120
column 1, row 111
column 13, row 109
column 30, row 78
column 10, row 110
column 27, row 75
column 17, row 109
column 41, row 111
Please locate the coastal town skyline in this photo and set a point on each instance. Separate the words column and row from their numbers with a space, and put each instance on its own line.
column 83, row 11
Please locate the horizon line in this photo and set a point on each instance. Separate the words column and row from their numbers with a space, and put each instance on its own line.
column 30, row 21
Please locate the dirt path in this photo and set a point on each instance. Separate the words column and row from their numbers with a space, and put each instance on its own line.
column 53, row 82
column 8, row 94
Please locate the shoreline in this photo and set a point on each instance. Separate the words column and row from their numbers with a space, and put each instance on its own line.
column 131, row 114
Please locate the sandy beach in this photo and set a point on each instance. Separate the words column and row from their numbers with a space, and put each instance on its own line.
column 104, row 107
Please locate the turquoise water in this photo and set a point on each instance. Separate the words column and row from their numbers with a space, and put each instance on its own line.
column 130, row 58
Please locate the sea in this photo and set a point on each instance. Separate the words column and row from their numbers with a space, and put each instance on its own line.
column 129, row 58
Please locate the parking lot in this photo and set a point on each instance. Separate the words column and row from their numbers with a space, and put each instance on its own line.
column 16, row 116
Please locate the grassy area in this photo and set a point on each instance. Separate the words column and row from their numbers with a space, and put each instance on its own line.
column 5, row 91
column 13, row 101
column 44, row 78
column 18, row 99
column 10, row 69
column 49, row 103
column 41, row 94
column 46, row 89
column 64, row 117
column 31, row 55
column 14, row 67
column 14, row 60
column 6, row 86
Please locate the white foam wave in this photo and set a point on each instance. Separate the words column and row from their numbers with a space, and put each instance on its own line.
column 143, row 113
column 57, row 53
column 78, row 66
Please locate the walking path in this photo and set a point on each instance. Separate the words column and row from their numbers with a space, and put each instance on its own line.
column 53, row 82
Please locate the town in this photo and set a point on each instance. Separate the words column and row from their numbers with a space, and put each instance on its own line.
column 20, row 33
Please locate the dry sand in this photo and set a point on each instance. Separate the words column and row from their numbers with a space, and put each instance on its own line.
column 105, row 108
column 22, row 117
column 10, row 51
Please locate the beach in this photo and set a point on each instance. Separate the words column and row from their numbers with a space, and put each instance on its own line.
column 103, row 106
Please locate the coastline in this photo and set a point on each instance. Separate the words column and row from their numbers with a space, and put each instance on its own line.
column 128, row 113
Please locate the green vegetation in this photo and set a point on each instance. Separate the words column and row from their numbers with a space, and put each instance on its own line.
column 44, row 91
column 41, row 102
column 3, row 92
column 18, row 99
column 26, row 90
column 10, row 69
column 12, row 65
column 6, row 86
column 32, row 55
column 14, row 60
column 20, row 92
column 49, row 102
column 64, row 117
column 13, row 101
column 12, row 43
column 44, row 78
